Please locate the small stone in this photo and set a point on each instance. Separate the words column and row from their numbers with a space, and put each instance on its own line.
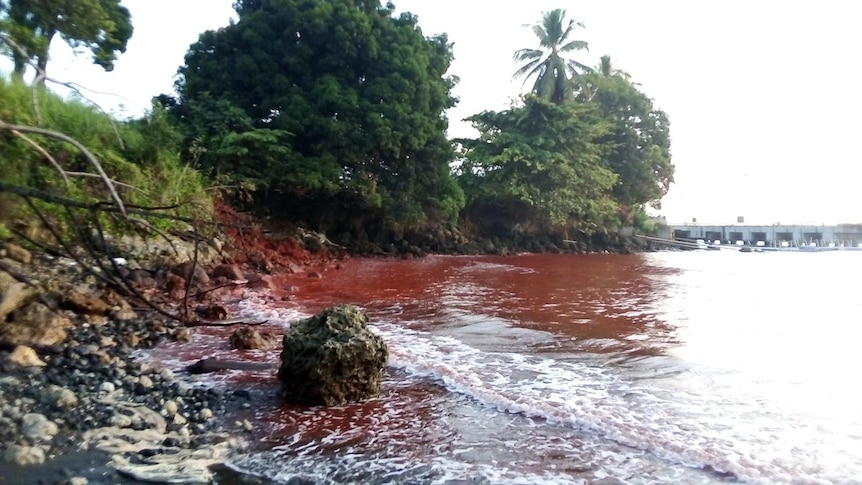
column 145, row 382
column 107, row 387
column 179, row 420
column 25, row 357
column 183, row 335
column 167, row 374
column 246, row 425
column 37, row 427
column 77, row 481
column 121, row 421
column 205, row 414
column 170, row 408
column 106, row 342
column 24, row 455
column 59, row 397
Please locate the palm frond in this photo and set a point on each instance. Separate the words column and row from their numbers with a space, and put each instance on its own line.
column 527, row 55
column 575, row 45
column 535, row 67
column 575, row 66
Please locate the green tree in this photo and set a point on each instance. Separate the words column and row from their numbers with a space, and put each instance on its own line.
column 542, row 160
column 101, row 26
column 352, row 100
column 556, row 76
column 637, row 147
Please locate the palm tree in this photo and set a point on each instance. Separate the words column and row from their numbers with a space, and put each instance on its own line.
column 556, row 77
column 605, row 69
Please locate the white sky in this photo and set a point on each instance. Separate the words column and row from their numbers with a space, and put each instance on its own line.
column 762, row 96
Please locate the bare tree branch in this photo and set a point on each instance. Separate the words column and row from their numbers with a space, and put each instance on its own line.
column 115, row 182
column 44, row 153
column 76, row 144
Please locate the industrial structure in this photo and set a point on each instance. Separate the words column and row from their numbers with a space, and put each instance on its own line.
column 846, row 235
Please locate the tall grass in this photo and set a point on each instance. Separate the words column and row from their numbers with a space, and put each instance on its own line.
column 142, row 155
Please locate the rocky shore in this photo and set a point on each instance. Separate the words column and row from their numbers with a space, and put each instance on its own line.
column 77, row 406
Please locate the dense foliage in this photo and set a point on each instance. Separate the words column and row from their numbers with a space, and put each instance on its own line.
column 336, row 97
column 331, row 114
column 638, row 143
column 101, row 26
column 544, row 160
column 585, row 151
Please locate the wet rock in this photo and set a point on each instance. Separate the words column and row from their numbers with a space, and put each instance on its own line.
column 24, row 356
column 214, row 365
column 34, row 325
column 37, row 427
column 212, row 312
column 183, row 335
column 17, row 253
column 24, row 455
column 315, row 275
column 77, row 481
column 332, row 358
column 191, row 271
column 176, row 286
column 229, row 271
column 246, row 338
column 84, row 303
column 260, row 282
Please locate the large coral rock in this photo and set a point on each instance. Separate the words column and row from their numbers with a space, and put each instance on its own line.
column 332, row 358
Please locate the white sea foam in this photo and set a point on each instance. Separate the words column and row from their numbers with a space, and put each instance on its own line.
column 742, row 439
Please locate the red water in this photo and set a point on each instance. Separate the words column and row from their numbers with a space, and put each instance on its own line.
column 694, row 367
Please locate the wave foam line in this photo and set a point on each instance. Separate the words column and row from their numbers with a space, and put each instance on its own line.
column 580, row 397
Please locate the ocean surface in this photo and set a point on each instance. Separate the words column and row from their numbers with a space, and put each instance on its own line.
column 693, row 367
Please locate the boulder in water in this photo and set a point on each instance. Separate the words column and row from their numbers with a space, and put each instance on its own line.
column 332, row 358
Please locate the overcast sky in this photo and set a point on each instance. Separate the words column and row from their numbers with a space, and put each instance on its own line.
column 763, row 96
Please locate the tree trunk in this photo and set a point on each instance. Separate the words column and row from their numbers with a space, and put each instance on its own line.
column 42, row 59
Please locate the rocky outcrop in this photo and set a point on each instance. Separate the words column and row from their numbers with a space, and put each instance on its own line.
column 332, row 358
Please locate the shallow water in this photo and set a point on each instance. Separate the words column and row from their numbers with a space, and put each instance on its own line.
column 677, row 367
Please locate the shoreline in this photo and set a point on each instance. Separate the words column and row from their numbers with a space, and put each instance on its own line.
column 88, row 409
column 91, row 381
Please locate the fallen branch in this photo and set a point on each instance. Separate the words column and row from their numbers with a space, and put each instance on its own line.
column 205, row 322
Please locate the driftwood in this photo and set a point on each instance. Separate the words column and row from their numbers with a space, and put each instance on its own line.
column 203, row 322
column 204, row 366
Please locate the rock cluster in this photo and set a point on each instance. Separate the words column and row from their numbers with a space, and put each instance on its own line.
column 332, row 358
column 68, row 377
